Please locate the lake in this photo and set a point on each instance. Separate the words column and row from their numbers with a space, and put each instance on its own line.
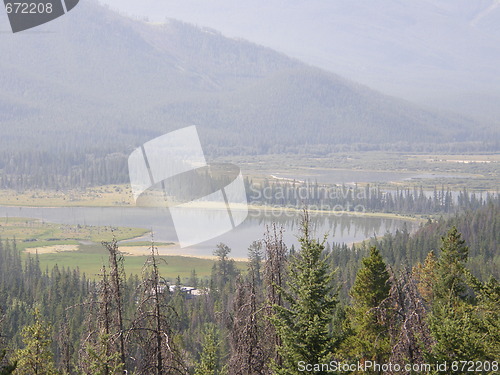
column 341, row 229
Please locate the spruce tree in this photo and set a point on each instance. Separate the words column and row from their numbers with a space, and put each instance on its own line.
column 369, row 339
column 303, row 324
column 36, row 358
column 99, row 360
column 6, row 368
column 450, row 270
column 487, row 308
column 457, row 322
column 255, row 262
column 209, row 363
column 425, row 276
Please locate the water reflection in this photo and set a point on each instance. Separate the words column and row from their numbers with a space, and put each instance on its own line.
column 338, row 228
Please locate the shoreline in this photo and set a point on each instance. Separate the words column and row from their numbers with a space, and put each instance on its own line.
column 127, row 251
column 252, row 208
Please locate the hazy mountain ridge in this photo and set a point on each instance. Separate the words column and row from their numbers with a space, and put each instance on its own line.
column 95, row 82
column 442, row 53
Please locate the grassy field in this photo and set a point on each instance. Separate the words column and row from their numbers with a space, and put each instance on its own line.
column 90, row 258
column 79, row 246
column 86, row 252
column 100, row 196
column 30, row 233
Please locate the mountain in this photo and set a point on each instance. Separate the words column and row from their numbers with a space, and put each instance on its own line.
column 440, row 53
column 93, row 85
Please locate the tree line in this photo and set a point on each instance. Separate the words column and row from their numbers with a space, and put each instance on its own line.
column 367, row 198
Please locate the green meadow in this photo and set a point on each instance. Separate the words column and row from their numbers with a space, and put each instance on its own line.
column 90, row 258
column 32, row 233
column 87, row 253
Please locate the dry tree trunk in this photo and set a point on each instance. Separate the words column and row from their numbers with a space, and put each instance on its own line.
column 151, row 327
column 248, row 351
column 103, row 347
column 117, row 275
column 405, row 312
column 274, row 281
column 99, row 350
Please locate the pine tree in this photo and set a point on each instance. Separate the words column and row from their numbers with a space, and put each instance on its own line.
column 456, row 323
column 458, row 333
column 99, row 359
column 224, row 264
column 117, row 281
column 6, row 368
column 36, row 358
column 303, row 325
column 450, row 270
column 255, row 261
column 274, row 282
column 404, row 313
column 425, row 276
column 209, row 363
column 487, row 309
column 369, row 339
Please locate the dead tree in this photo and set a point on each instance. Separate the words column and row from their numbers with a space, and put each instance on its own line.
column 117, row 279
column 65, row 346
column 405, row 314
column 248, row 348
column 100, row 349
column 103, row 349
column 274, row 281
column 151, row 328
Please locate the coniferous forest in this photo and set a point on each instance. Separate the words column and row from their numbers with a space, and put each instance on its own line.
column 82, row 94
column 427, row 302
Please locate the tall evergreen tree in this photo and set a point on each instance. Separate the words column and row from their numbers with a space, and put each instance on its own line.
column 36, row 358
column 209, row 363
column 369, row 339
column 425, row 276
column 456, row 323
column 303, row 324
column 450, row 270
column 6, row 368
column 487, row 309
column 255, row 262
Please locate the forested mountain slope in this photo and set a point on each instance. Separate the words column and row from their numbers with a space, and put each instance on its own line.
column 94, row 84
